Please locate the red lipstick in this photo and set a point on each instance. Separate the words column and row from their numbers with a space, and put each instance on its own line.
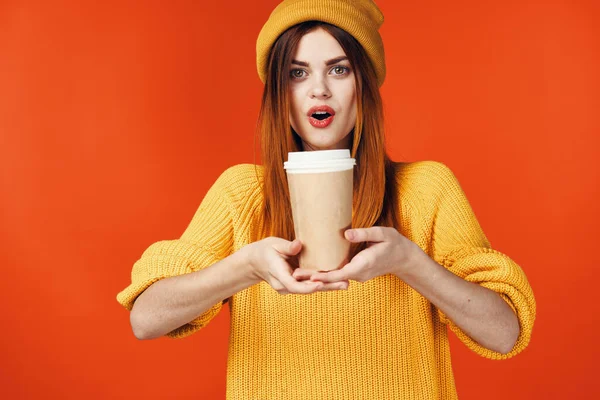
column 320, row 116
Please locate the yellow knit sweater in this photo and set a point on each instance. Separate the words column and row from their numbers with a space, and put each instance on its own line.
column 377, row 340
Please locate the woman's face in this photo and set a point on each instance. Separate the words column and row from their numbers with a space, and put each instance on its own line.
column 322, row 92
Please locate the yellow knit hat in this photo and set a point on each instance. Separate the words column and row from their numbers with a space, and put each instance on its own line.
column 360, row 18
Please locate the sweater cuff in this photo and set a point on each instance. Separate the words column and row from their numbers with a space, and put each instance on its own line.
column 500, row 274
column 160, row 261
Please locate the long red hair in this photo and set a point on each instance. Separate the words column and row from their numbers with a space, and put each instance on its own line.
column 375, row 197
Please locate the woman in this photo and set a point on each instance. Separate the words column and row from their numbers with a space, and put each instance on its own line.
column 376, row 328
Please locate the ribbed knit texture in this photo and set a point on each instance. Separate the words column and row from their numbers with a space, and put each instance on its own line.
column 377, row 340
column 360, row 18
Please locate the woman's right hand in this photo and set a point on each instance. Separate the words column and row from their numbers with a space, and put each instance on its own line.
column 269, row 261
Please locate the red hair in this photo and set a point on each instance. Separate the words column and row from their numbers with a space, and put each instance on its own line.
column 375, row 197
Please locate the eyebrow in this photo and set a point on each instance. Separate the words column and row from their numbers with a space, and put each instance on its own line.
column 328, row 62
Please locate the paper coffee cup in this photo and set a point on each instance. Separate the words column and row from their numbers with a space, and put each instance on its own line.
column 320, row 185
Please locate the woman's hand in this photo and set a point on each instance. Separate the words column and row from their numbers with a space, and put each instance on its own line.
column 269, row 262
column 387, row 252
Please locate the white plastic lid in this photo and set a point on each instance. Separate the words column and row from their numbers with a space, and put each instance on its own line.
column 319, row 161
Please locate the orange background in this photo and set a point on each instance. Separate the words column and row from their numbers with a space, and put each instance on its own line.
column 117, row 116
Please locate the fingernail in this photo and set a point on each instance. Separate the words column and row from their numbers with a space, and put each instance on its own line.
column 350, row 235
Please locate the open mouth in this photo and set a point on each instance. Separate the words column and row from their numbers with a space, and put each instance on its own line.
column 321, row 119
column 321, row 115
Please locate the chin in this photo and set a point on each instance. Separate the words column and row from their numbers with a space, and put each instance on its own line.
column 320, row 140
column 318, row 144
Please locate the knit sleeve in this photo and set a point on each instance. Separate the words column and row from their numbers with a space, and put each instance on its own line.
column 460, row 245
column 207, row 240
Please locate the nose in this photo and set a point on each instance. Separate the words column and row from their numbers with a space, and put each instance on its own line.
column 320, row 90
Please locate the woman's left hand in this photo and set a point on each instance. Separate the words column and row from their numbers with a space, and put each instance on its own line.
column 387, row 252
